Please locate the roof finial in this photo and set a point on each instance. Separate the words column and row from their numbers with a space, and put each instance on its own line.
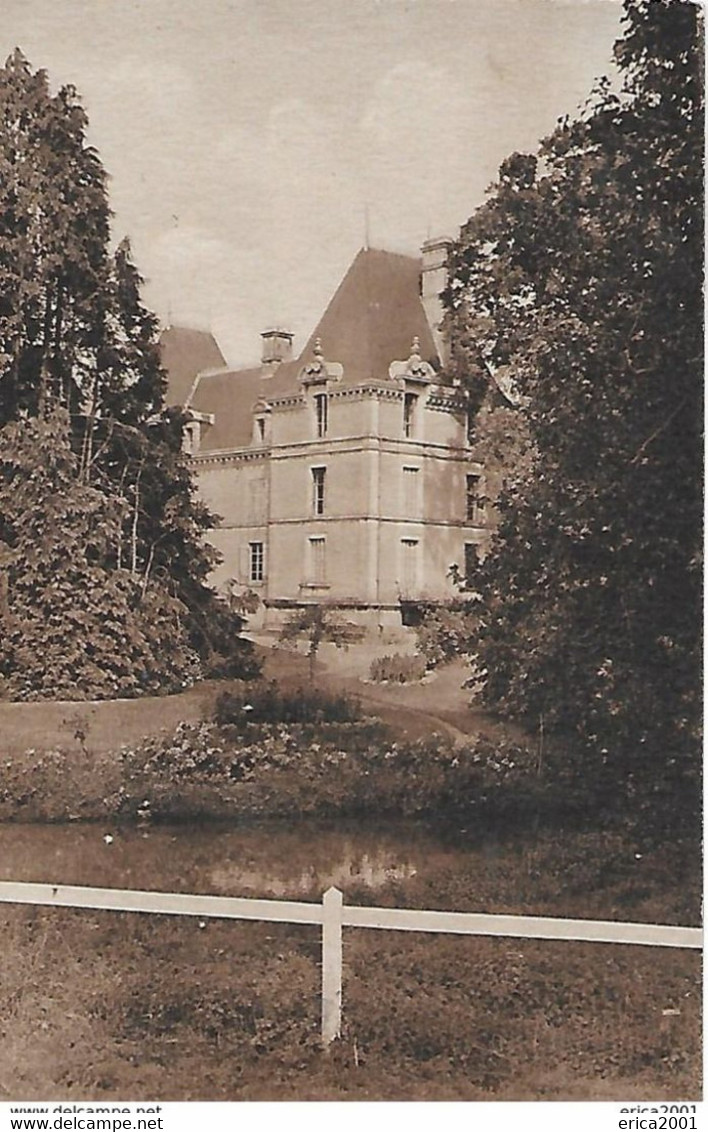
column 366, row 227
column 318, row 348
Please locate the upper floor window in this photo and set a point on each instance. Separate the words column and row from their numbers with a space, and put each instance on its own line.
column 409, row 406
column 256, row 562
column 476, row 504
column 318, row 490
column 411, row 497
column 257, row 501
column 321, row 413
column 471, row 563
column 260, row 430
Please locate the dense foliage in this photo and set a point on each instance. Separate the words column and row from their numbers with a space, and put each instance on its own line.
column 74, row 334
column 267, row 703
column 72, row 624
column 576, row 290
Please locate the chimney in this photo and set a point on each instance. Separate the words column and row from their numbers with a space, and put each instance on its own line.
column 434, row 280
column 277, row 347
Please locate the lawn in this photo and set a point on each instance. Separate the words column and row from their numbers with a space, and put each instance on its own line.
column 121, row 1006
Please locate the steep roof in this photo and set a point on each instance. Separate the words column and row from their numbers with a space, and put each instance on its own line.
column 371, row 321
column 184, row 354
column 373, row 317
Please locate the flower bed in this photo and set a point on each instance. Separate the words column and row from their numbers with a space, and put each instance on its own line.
column 243, row 768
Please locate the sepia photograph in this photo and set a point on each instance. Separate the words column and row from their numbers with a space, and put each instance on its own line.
column 351, row 539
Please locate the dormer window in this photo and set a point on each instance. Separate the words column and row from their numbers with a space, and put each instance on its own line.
column 191, row 437
column 193, row 430
column 321, row 414
column 409, row 406
column 261, row 422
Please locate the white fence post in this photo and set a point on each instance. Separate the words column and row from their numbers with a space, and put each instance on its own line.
column 331, row 965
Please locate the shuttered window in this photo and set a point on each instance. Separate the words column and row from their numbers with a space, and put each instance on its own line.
column 411, row 492
column 318, row 561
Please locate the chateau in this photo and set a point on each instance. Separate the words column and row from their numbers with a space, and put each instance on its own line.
column 342, row 475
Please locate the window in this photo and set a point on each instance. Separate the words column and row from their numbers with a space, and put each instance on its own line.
column 409, row 404
column 190, row 437
column 476, row 504
column 255, row 562
column 471, row 563
column 411, row 504
column 260, row 429
column 409, row 565
column 321, row 409
column 257, row 502
column 318, row 491
column 318, row 562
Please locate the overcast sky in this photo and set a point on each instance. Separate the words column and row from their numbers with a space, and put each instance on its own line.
column 245, row 138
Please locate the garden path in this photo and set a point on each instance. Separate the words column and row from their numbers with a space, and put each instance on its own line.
column 439, row 704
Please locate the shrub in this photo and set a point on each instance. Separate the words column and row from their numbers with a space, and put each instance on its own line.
column 268, row 704
column 447, row 632
column 334, row 767
column 398, row 669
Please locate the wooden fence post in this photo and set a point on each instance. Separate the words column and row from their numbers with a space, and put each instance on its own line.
column 331, row 965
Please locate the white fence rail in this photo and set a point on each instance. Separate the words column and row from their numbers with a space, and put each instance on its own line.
column 333, row 915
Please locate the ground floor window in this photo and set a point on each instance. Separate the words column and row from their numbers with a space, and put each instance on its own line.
column 256, row 561
column 471, row 563
column 409, row 565
column 318, row 561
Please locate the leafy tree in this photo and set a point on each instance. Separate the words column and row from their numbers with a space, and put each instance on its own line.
column 74, row 332
column 320, row 624
column 72, row 624
column 578, row 284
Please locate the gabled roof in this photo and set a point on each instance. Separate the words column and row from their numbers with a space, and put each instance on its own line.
column 371, row 321
column 184, row 353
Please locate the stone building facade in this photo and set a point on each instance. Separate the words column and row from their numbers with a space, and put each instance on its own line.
column 343, row 475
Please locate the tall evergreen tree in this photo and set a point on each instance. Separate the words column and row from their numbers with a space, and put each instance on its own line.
column 54, row 223
column 75, row 335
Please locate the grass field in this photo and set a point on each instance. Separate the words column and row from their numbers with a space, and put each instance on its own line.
column 114, row 1005
column 413, row 712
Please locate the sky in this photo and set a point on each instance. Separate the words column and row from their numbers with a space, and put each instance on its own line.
column 247, row 141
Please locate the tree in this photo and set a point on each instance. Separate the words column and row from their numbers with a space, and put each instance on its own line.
column 74, row 333
column 54, row 223
column 72, row 624
column 319, row 624
column 580, row 281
